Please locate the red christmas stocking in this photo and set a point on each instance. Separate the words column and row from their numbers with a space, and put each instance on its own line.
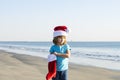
column 51, row 67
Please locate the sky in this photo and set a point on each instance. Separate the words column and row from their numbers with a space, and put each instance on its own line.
column 34, row 20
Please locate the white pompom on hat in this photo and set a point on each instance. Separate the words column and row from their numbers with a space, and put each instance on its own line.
column 60, row 31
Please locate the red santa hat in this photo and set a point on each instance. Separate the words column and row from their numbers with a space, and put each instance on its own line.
column 60, row 31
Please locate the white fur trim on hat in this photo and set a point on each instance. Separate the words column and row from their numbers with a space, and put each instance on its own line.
column 51, row 57
column 59, row 33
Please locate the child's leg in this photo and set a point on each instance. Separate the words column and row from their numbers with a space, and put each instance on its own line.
column 64, row 75
column 61, row 75
column 57, row 76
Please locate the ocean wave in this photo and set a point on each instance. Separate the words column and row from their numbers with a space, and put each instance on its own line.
column 95, row 56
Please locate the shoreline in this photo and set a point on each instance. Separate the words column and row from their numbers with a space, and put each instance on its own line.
column 27, row 67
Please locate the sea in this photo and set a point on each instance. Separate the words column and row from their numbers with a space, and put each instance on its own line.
column 96, row 54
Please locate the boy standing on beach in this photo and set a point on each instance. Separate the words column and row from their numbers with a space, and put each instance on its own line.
column 62, row 51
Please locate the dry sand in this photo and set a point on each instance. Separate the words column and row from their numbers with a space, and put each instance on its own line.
column 25, row 67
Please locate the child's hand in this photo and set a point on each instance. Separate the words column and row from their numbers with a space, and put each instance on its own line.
column 55, row 53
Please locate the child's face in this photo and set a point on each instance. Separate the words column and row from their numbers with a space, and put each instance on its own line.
column 60, row 40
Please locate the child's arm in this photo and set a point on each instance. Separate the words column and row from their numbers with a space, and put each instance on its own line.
column 67, row 55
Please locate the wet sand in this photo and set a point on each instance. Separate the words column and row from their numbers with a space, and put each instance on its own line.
column 25, row 67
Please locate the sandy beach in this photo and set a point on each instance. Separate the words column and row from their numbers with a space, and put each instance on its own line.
column 25, row 67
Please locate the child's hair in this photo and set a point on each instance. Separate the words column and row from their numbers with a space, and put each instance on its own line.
column 55, row 39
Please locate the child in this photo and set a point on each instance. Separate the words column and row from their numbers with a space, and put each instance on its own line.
column 62, row 51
